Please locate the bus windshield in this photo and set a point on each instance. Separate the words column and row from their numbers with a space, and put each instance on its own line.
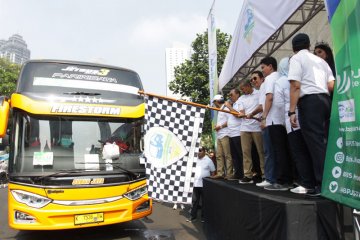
column 50, row 144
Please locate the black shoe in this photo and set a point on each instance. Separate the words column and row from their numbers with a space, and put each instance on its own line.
column 257, row 179
column 246, row 180
column 315, row 193
column 191, row 219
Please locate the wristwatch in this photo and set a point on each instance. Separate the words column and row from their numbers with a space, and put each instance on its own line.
column 291, row 113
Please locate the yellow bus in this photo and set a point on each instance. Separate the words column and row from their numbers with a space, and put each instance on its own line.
column 75, row 146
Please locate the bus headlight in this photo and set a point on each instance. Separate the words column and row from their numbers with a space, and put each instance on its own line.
column 30, row 199
column 136, row 193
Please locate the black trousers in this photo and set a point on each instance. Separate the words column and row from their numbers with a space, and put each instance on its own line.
column 237, row 156
column 197, row 198
column 255, row 161
column 283, row 166
column 314, row 116
column 301, row 157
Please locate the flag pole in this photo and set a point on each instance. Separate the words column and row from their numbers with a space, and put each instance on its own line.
column 189, row 103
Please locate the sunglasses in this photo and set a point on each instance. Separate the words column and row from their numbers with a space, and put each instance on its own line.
column 254, row 79
column 200, row 150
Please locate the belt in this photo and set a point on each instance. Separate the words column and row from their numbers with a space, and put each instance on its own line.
column 314, row 94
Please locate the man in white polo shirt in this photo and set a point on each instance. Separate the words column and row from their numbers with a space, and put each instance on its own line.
column 258, row 81
column 204, row 168
column 311, row 81
column 234, row 124
column 223, row 154
column 250, row 132
column 273, row 119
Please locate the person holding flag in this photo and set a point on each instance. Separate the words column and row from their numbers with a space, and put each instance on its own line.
column 223, row 152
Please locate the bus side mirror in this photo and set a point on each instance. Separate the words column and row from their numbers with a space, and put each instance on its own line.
column 4, row 143
column 4, row 115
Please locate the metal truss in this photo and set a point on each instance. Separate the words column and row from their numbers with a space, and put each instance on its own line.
column 296, row 21
column 356, row 218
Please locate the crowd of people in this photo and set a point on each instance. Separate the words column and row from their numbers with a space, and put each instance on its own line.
column 278, row 134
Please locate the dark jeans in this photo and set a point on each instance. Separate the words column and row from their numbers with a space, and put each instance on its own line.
column 197, row 199
column 237, row 157
column 283, row 166
column 314, row 115
column 269, row 165
column 301, row 157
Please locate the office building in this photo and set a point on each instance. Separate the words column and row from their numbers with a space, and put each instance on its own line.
column 14, row 49
column 174, row 57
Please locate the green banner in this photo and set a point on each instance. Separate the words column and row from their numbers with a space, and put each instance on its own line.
column 341, row 179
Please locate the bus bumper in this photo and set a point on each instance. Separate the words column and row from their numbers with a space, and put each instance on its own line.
column 56, row 217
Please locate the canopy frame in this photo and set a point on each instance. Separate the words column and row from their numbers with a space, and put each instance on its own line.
column 297, row 20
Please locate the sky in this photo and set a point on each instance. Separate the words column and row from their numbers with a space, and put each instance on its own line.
column 126, row 33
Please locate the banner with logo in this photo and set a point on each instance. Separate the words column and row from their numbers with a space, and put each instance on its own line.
column 213, row 75
column 256, row 23
column 172, row 139
column 341, row 180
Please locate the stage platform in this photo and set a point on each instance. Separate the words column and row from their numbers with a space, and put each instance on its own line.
column 243, row 211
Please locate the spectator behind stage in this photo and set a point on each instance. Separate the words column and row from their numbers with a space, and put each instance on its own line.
column 297, row 147
column 212, row 156
column 323, row 50
column 234, row 124
column 311, row 81
column 250, row 132
column 223, row 153
column 204, row 168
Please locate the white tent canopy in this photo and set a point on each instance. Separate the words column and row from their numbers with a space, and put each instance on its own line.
column 262, row 28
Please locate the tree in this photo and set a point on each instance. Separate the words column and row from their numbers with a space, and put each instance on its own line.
column 192, row 77
column 9, row 73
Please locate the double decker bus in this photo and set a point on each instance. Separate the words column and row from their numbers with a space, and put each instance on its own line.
column 75, row 146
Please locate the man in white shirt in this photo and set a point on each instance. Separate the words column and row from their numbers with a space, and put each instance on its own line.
column 204, row 168
column 273, row 119
column 250, row 132
column 311, row 81
column 258, row 81
column 298, row 150
column 223, row 153
column 234, row 124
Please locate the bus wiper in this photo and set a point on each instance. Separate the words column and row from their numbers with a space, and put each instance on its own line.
column 59, row 173
column 118, row 167
column 126, row 170
column 82, row 93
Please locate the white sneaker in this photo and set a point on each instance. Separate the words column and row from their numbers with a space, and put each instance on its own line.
column 299, row 190
column 182, row 206
column 263, row 184
column 175, row 206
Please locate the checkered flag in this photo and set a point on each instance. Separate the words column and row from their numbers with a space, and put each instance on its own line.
column 174, row 182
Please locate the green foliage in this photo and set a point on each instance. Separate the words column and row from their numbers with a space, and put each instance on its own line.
column 206, row 141
column 192, row 77
column 9, row 73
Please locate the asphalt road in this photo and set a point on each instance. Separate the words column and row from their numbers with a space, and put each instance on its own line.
column 164, row 223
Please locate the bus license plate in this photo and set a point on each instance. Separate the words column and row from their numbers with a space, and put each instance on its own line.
column 89, row 218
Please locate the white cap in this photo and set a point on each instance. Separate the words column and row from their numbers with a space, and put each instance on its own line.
column 218, row 97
